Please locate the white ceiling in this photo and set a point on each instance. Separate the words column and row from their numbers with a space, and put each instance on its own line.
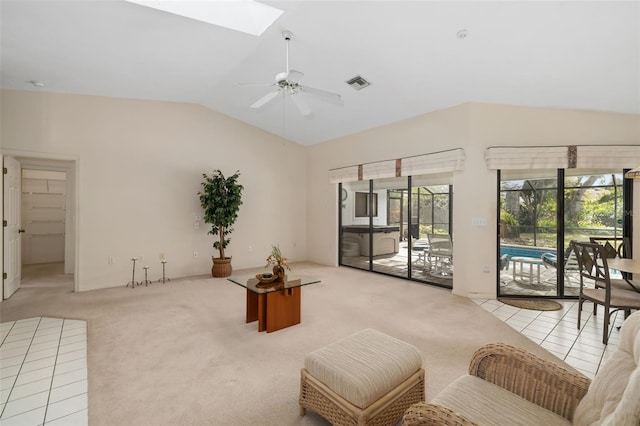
column 575, row 54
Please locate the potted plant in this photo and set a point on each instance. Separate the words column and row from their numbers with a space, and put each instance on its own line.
column 278, row 261
column 221, row 199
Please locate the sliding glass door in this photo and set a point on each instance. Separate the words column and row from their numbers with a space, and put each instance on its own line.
column 593, row 211
column 390, row 251
column 386, row 226
column 356, row 218
column 528, row 233
column 541, row 213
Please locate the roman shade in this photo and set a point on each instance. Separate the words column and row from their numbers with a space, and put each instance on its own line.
column 608, row 156
column 530, row 157
column 436, row 162
column 563, row 157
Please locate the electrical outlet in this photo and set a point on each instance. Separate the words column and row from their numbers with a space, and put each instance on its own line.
column 196, row 225
column 195, row 254
column 162, row 256
column 141, row 258
column 486, row 268
column 110, row 260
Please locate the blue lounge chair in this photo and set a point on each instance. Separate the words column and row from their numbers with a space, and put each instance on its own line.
column 569, row 262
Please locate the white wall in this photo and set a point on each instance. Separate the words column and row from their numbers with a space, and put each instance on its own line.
column 140, row 165
column 473, row 127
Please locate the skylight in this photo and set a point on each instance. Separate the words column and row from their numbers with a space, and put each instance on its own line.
column 247, row 16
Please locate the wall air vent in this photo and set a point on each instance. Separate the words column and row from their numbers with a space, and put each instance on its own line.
column 358, row 82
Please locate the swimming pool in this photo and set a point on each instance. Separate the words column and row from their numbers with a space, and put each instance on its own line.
column 524, row 251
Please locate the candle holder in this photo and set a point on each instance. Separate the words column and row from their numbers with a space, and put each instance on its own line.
column 164, row 278
column 146, row 281
column 133, row 281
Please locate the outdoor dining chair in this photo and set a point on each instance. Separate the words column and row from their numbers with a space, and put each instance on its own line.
column 596, row 285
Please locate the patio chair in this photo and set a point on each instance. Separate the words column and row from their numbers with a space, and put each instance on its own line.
column 504, row 262
column 441, row 253
column 569, row 263
column 592, row 261
column 621, row 248
column 614, row 246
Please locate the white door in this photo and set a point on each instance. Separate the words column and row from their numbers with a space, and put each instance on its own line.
column 12, row 230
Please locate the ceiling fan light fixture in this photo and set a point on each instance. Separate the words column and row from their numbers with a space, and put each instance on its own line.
column 358, row 82
column 289, row 83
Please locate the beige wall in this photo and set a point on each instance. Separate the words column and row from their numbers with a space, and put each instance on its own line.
column 473, row 127
column 140, row 165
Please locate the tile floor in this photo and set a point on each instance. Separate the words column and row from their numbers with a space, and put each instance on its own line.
column 43, row 372
column 557, row 331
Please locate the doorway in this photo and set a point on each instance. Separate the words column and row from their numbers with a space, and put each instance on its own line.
column 45, row 207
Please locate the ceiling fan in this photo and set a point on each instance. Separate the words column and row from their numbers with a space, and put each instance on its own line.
column 289, row 83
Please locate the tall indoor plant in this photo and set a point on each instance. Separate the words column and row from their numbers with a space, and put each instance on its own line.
column 221, row 199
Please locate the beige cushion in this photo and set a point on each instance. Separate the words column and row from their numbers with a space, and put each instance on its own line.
column 614, row 395
column 364, row 366
column 484, row 403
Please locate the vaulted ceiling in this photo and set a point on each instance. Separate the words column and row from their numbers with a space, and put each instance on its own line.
column 575, row 54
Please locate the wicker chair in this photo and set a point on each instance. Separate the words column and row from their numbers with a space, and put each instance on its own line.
column 507, row 385
column 518, row 371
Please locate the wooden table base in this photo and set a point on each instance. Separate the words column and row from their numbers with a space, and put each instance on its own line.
column 274, row 310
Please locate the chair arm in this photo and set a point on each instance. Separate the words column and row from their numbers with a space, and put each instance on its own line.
column 539, row 381
column 425, row 414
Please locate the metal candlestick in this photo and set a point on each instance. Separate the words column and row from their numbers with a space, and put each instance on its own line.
column 133, row 281
column 146, row 281
column 164, row 278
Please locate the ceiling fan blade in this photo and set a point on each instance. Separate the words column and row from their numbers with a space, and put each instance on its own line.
column 253, row 84
column 265, row 99
column 330, row 97
column 301, row 104
column 295, row 76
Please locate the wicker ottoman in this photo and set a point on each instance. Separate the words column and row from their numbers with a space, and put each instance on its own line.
column 368, row 378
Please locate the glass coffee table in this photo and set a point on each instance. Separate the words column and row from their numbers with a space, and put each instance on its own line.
column 274, row 306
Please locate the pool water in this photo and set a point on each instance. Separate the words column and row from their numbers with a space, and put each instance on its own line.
column 525, row 251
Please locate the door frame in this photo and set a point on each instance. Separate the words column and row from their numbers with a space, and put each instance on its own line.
column 46, row 161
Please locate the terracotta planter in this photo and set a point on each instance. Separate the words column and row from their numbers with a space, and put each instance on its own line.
column 221, row 267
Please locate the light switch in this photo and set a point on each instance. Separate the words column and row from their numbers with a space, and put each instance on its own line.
column 479, row 221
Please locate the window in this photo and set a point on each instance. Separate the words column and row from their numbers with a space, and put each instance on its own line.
column 362, row 204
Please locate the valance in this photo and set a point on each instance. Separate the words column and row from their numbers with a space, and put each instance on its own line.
column 563, row 157
column 436, row 162
column 538, row 157
column 608, row 156
column 344, row 174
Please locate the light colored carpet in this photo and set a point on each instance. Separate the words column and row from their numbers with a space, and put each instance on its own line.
column 181, row 353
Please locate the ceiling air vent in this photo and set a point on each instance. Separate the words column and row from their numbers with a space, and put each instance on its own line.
column 358, row 82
